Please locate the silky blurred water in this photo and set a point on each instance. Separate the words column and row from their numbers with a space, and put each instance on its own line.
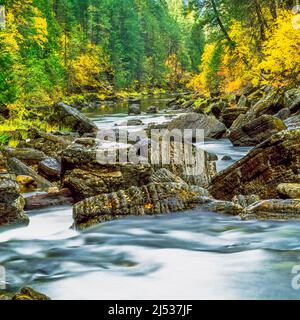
column 190, row 255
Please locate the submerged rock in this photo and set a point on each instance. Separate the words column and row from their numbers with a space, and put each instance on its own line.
column 212, row 127
column 152, row 110
column 256, row 131
column 273, row 209
column 11, row 202
column 69, row 117
column 275, row 161
column 154, row 198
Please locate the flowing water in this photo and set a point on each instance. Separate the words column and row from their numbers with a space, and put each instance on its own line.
column 190, row 255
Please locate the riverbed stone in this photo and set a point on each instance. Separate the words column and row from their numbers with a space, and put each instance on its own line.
column 50, row 168
column 212, row 127
column 275, row 161
column 273, row 209
column 11, row 202
column 134, row 109
column 151, row 199
column 289, row 190
column 27, row 155
column 19, row 168
column 55, row 198
column 256, row 131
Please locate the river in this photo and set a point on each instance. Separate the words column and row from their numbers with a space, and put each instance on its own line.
column 190, row 255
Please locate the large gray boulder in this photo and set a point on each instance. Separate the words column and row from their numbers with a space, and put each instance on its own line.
column 66, row 116
column 212, row 127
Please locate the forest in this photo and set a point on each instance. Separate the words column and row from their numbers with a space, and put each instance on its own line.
column 56, row 48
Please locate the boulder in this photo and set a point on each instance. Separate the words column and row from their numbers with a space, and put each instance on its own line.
column 212, row 127
column 283, row 114
column 27, row 155
column 227, row 158
column 50, row 168
column 11, row 202
column 52, row 145
column 274, row 161
column 256, row 131
column 152, row 110
column 154, row 198
column 86, row 177
column 69, row 117
column 19, row 168
column 134, row 109
column 55, row 198
column 273, row 209
column 231, row 114
column 28, row 293
column 292, row 100
column 245, row 201
column 289, row 190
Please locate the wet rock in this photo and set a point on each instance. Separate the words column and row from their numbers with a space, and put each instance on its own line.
column 289, row 190
column 26, row 183
column 54, row 198
column 226, row 158
column 50, row 168
column 245, row 201
column 293, row 122
column 134, row 109
column 212, row 157
column 231, row 114
column 131, row 122
column 292, row 100
column 152, row 110
column 225, row 207
column 217, row 109
column 256, row 131
column 69, row 117
column 132, row 100
column 11, row 202
column 212, row 127
column 19, row 168
column 273, row 209
column 27, row 155
column 154, row 198
column 283, row 114
column 272, row 162
column 28, row 293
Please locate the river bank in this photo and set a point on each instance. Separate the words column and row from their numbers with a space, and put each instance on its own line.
column 113, row 256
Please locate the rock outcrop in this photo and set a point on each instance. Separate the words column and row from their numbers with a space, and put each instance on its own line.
column 275, row 161
column 256, row 131
column 154, row 198
column 289, row 190
column 273, row 209
column 11, row 202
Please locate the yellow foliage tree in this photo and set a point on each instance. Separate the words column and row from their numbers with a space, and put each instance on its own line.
column 88, row 70
column 281, row 63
